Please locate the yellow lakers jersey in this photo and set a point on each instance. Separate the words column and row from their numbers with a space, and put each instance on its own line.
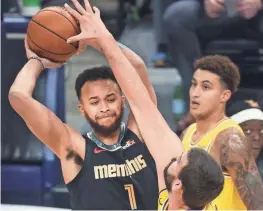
column 229, row 199
column 163, row 200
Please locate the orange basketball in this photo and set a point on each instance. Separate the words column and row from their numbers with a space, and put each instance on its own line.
column 48, row 32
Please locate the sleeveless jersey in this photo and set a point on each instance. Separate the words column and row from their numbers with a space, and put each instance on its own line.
column 116, row 180
column 229, row 199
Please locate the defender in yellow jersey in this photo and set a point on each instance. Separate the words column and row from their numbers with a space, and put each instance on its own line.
column 229, row 198
column 189, row 184
column 214, row 80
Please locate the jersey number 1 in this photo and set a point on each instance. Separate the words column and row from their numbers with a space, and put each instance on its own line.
column 130, row 189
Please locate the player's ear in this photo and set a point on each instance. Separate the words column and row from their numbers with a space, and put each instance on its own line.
column 225, row 96
column 81, row 109
column 177, row 185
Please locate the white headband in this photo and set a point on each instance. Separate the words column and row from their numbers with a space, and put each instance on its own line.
column 248, row 114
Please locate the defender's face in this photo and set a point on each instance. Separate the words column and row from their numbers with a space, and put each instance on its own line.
column 102, row 104
column 173, row 183
column 207, row 94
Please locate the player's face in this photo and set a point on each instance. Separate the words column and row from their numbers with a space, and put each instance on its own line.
column 102, row 104
column 207, row 94
column 172, row 182
column 254, row 132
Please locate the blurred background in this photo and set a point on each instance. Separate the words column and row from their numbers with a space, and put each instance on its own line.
column 168, row 34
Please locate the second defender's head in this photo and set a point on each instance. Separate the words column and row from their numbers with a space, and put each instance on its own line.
column 193, row 180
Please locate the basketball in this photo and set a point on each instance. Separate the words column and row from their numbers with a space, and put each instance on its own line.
column 48, row 31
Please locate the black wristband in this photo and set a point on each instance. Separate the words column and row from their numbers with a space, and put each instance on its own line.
column 34, row 57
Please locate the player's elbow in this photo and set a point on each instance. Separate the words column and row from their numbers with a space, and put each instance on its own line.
column 16, row 99
column 138, row 63
column 12, row 97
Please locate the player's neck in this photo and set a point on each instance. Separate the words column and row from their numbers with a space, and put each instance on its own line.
column 108, row 139
column 175, row 202
column 206, row 124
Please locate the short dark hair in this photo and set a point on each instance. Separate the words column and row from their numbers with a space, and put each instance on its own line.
column 221, row 66
column 93, row 74
column 202, row 179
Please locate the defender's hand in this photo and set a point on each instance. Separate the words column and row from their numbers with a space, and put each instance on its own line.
column 91, row 25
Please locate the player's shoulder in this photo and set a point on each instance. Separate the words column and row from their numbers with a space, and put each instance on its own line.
column 227, row 129
column 230, row 133
column 232, row 139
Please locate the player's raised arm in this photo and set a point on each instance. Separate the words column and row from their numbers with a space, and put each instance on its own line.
column 141, row 69
column 154, row 129
column 44, row 124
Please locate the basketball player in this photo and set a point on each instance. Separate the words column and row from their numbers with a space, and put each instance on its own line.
column 214, row 80
column 191, row 183
column 108, row 168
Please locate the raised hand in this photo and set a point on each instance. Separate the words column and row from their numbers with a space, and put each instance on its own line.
column 91, row 25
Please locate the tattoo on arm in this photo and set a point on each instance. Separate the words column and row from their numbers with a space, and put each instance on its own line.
column 236, row 156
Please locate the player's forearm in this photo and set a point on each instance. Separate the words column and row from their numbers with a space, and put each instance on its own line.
column 26, row 79
column 20, row 93
column 141, row 69
column 125, row 73
column 248, row 183
column 250, row 188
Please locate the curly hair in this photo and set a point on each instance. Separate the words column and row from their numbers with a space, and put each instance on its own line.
column 221, row 66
